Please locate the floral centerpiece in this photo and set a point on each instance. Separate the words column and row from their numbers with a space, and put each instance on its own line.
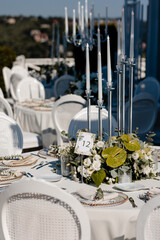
column 126, row 152
column 79, row 86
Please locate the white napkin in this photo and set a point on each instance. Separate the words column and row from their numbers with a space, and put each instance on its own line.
column 89, row 194
column 154, row 191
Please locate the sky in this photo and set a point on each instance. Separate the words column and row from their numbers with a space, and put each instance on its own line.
column 55, row 8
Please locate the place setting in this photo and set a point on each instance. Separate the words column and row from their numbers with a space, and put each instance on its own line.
column 95, row 198
column 18, row 161
column 8, row 176
column 37, row 104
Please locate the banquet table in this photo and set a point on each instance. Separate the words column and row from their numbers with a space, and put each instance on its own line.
column 36, row 119
column 116, row 222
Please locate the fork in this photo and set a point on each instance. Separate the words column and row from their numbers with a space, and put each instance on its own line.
column 27, row 174
column 40, row 164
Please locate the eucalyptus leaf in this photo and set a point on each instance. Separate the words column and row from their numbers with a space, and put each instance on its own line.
column 132, row 145
column 115, row 156
column 98, row 177
column 124, row 168
column 114, row 173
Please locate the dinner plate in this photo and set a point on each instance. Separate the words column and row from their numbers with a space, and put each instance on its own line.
column 45, row 152
column 129, row 187
column 119, row 199
column 50, row 177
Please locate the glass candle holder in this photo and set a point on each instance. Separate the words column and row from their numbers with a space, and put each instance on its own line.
column 155, row 154
column 124, row 176
column 65, row 166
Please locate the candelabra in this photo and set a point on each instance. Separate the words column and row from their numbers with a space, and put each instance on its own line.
column 119, row 102
column 123, row 62
column 131, row 64
column 110, row 89
column 87, row 38
column 100, row 107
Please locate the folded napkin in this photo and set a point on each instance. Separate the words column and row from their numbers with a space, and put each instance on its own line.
column 27, row 161
column 89, row 194
column 154, row 191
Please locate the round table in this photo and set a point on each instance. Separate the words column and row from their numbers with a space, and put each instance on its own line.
column 36, row 121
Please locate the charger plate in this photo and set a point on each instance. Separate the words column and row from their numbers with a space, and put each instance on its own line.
column 129, row 187
column 27, row 161
column 50, row 177
column 120, row 199
column 45, row 152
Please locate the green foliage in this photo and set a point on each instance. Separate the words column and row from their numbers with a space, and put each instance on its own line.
column 99, row 194
column 17, row 36
column 132, row 146
column 7, row 57
column 125, row 138
column 115, row 156
column 98, row 177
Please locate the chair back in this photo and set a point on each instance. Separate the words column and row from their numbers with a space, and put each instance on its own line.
column 37, row 210
column 6, row 76
column 29, row 88
column 149, row 85
column 18, row 69
column 148, row 222
column 1, row 93
column 14, row 81
column 63, row 111
column 62, row 84
column 11, row 138
column 79, row 121
column 5, row 107
column 144, row 113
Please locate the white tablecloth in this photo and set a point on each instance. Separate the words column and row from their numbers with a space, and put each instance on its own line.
column 40, row 122
column 107, row 223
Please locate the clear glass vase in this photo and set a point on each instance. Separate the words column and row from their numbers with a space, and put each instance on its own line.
column 124, row 176
column 65, row 166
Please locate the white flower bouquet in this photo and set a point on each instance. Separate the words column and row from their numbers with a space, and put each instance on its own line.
column 126, row 152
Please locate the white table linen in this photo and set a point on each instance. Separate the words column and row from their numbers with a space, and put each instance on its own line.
column 107, row 223
column 40, row 122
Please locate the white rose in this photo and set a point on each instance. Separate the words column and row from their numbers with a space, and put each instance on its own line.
column 87, row 162
column 110, row 180
column 96, row 165
column 146, row 157
column 145, row 145
column 90, row 171
column 96, row 157
column 85, row 173
column 135, row 166
column 80, row 168
column 94, row 151
column 143, row 152
column 100, row 144
column 149, row 153
column 135, row 155
column 146, row 170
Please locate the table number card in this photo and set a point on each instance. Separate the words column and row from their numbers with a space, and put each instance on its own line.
column 84, row 143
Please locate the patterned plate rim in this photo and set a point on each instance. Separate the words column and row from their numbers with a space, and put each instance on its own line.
column 46, row 155
column 21, row 165
column 12, row 179
column 102, row 204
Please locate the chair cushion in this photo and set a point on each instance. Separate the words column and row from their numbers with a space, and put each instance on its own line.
column 31, row 140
